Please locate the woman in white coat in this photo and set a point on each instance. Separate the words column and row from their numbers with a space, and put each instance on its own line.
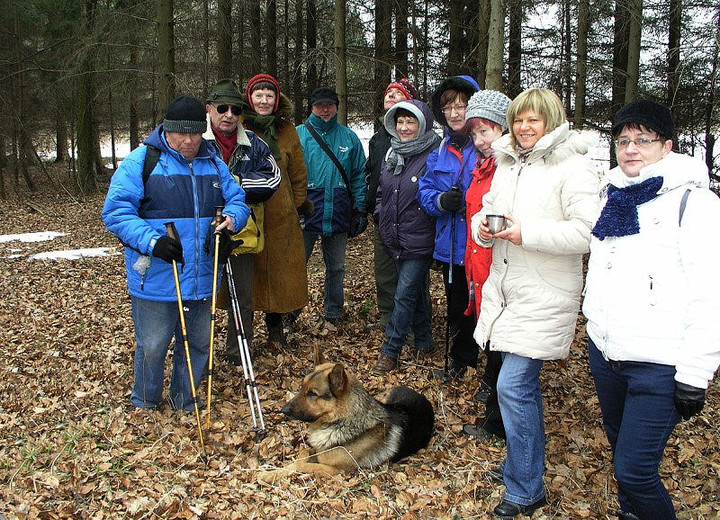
column 652, row 301
column 547, row 189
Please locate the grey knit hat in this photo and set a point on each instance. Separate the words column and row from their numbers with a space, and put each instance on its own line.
column 185, row 115
column 490, row 105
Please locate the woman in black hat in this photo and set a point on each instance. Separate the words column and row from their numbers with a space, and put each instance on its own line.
column 651, row 301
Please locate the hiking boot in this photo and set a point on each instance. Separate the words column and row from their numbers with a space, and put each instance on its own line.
column 276, row 334
column 385, row 364
column 483, row 393
column 622, row 515
column 477, row 431
column 508, row 510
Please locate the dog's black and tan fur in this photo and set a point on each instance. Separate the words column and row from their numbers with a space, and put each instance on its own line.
column 349, row 429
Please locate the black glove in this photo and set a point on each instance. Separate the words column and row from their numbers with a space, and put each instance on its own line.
column 306, row 209
column 689, row 400
column 225, row 246
column 168, row 249
column 452, row 200
column 359, row 224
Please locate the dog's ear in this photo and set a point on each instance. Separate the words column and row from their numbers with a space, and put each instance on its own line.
column 318, row 355
column 337, row 379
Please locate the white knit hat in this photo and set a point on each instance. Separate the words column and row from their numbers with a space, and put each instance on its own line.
column 490, row 105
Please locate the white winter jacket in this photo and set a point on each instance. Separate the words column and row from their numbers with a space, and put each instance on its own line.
column 531, row 300
column 655, row 296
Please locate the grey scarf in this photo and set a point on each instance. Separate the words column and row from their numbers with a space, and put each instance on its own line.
column 399, row 150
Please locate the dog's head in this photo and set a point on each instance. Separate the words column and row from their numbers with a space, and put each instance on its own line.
column 322, row 396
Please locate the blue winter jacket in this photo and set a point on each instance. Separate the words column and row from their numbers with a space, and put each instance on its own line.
column 178, row 191
column 446, row 167
column 326, row 187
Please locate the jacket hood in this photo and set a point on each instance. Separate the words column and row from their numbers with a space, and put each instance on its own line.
column 553, row 147
column 675, row 169
column 464, row 84
column 421, row 111
column 157, row 139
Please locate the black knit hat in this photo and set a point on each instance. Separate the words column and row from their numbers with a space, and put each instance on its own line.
column 324, row 95
column 464, row 84
column 185, row 115
column 647, row 113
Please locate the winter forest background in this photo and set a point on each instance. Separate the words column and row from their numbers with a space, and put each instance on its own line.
column 75, row 73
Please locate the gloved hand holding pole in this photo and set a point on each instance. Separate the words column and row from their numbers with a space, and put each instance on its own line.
column 172, row 233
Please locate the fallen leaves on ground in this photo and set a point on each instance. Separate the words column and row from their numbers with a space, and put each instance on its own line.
column 71, row 446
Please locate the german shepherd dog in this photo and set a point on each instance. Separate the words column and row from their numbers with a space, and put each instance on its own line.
column 348, row 429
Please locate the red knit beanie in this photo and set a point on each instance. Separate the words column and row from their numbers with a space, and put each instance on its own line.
column 405, row 86
column 263, row 78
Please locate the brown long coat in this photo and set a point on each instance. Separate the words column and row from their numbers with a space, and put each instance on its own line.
column 280, row 283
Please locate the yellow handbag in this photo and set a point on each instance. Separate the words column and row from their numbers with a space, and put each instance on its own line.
column 251, row 238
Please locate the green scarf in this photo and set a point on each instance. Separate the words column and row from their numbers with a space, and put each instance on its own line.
column 266, row 126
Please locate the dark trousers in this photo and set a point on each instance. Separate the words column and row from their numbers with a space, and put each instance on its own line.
column 463, row 350
column 493, row 418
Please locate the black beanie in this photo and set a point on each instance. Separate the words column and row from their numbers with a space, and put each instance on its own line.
column 647, row 113
column 185, row 115
column 324, row 95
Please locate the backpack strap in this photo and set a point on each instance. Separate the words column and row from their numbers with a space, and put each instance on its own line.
column 683, row 203
column 152, row 156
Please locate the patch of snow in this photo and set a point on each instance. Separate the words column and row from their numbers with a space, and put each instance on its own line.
column 41, row 236
column 74, row 254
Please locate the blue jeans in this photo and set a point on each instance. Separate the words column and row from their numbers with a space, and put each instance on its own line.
column 411, row 309
column 521, row 406
column 636, row 400
column 155, row 325
column 333, row 251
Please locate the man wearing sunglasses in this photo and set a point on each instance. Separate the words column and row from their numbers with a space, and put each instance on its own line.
column 253, row 166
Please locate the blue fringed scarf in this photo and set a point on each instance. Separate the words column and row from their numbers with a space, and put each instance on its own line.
column 619, row 217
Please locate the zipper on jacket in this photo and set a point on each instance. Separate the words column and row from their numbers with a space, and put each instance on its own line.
column 196, row 238
column 652, row 292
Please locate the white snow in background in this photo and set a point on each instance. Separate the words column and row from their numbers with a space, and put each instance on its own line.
column 74, row 254
column 41, row 236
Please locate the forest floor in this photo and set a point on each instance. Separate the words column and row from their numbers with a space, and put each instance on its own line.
column 71, row 446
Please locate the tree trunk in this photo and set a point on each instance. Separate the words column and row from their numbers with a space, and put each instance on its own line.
column 298, row 62
column 341, row 61
column 285, row 73
column 673, row 55
column 456, row 21
column 134, row 118
column 402, row 63
column 383, row 43
column 166, row 56
column 621, row 33
column 271, row 36
column 710, row 123
column 515, row 15
column 311, row 38
column 567, row 57
column 581, row 75
column 255, row 63
column 482, row 54
column 61, row 135
column 86, row 138
column 496, row 46
column 633, row 61
column 224, row 38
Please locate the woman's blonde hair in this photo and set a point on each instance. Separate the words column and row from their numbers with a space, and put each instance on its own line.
column 543, row 102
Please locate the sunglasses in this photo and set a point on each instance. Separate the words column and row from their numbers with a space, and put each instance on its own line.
column 221, row 109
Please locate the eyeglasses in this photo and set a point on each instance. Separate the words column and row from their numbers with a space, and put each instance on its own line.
column 221, row 109
column 640, row 142
column 457, row 108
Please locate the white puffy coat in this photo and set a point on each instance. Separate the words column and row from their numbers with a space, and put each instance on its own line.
column 531, row 300
column 655, row 296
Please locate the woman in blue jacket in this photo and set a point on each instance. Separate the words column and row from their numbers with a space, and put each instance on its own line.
column 405, row 230
column 441, row 193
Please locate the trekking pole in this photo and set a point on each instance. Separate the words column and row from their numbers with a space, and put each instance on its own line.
column 248, row 373
column 449, row 293
column 218, row 220
column 172, row 233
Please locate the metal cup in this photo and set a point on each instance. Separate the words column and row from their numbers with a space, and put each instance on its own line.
column 496, row 223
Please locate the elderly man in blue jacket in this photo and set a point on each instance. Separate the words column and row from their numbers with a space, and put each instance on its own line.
column 187, row 183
